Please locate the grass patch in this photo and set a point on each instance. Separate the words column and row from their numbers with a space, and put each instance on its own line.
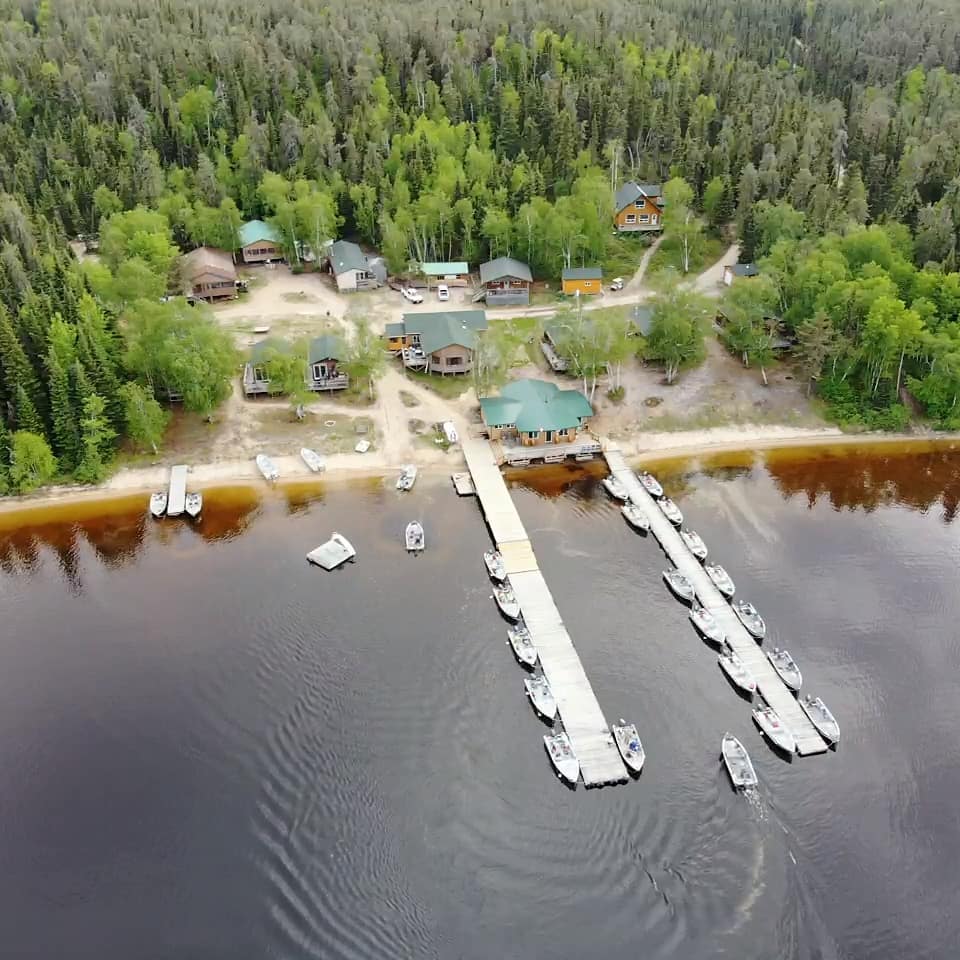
column 324, row 432
column 353, row 396
column 298, row 297
column 669, row 256
column 408, row 399
column 450, row 387
column 623, row 254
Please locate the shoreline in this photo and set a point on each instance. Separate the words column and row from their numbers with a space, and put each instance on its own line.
column 343, row 469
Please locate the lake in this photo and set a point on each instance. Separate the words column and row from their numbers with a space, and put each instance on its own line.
column 211, row 749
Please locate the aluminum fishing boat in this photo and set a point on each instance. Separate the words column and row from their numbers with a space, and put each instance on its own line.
column 193, row 504
column 707, row 624
column 615, row 488
column 821, row 718
column 671, row 511
column 694, row 544
column 786, row 667
column 680, row 585
column 541, row 696
column 562, row 757
column 408, row 477
column 650, row 483
column 736, row 670
column 748, row 616
column 738, row 763
column 522, row 644
column 414, row 537
column 628, row 743
column 495, row 565
column 267, row 467
column 721, row 579
column 312, row 459
column 158, row 505
column 635, row 517
column 773, row 729
column 506, row 600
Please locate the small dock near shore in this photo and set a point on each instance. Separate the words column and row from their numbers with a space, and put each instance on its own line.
column 771, row 687
column 177, row 493
column 583, row 720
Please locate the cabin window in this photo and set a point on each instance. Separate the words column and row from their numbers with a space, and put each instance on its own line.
column 631, row 218
column 532, row 434
column 641, row 203
column 260, row 375
column 321, row 371
column 549, row 436
column 454, row 361
column 588, row 283
column 644, row 217
column 415, row 338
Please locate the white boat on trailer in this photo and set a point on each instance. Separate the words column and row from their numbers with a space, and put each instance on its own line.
column 720, row 579
column 493, row 560
column 650, row 483
column 506, row 600
column 706, row 624
column 267, row 467
column 738, row 763
column 408, row 477
column 615, row 488
column 414, row 537
column 821, row 718
column 158, row 504
column 627, row 739
column 671, row 511
column 694, row 543
column 786, row 667
column 635, row 517
column 522, row 644
column 747, row 614
column 193, row 504
column 736, row 670
column 680, row 586
column 562, row 757
column 773, row 729
column 313, row 460
column 541, row 696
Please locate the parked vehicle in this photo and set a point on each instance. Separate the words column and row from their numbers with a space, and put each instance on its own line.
column 411, row 294
column 616, row 283
column 443, row 292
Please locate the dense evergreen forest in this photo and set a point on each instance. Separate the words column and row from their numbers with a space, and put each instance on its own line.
column 433, row 131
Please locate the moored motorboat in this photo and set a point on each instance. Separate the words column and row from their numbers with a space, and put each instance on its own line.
column 635, row 516
column 707, row 624
column 493, row 561
column 773, row 729
column 694, row 544
column 267, row 467
column 786, row 667
column 414, row 536
column 738, row 763
column 720, row 578
column 679, row 584
column 736, row 670
column 650, row 483
column 522, row 644
column 541, row 696
column 628, row 743
column 312, row 459
column 671, row 511
column 193, row 504
column 562, row 757
column 408, row 477
column 506, row 600
column 615, row 488
column 821, row 718
column 748, row 616
column 158, row 504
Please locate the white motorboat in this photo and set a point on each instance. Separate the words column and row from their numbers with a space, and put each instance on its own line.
column 627, row 739
column 562, row 757
column 408, row 477
column 786, row 667
column 736, row 670
column 680, row 585
column 707, row 624
column 522, row 644
column 336, row 551
column 721, row 579
column 541, row 696
column 635, row 517
column 362, row 446
column 496, row 568
column 158, row 505
column 650, row 483
column 313, row 460
column 267, row 467
column 193, row 504
column 773, row 729
column 450, row 432
column 821, row 718
column 615, row 488
column 748, row 616
column 738, row 763
column 671, row 511
column 414, row 536
column 694, row 544
column 506, row 600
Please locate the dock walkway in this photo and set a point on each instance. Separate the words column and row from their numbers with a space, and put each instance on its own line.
column 177, row 493
column 771, row 687
column 583, row 720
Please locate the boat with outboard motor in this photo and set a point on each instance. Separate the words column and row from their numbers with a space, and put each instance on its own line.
column 506, row 600
column 193, row 504
column 671, row 511
column 748, row 616
column 680, row 586
column 522, row 644
column 736, row 670
column 707, row 624
column 615, row 488
column 408, row 477
column 414, row 536
column 694, row 543
column 650, row 483
column 158, row 505
column 493, row 561
column 821, row 718
column 738, row 763
column 627, row 739
column 769, row 722
column 562, row 757
column 635, row 517
column 541, row 696
column 786, row 667
column 720, row 579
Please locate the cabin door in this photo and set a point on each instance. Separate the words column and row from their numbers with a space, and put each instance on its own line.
column 550, row 434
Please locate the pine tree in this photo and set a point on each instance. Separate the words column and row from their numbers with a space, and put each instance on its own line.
column 16, row 369
column 66, row 433
column 96, row 436
column 25, row 414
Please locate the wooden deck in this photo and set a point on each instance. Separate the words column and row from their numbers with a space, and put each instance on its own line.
column 583, row 720
column 771, row 687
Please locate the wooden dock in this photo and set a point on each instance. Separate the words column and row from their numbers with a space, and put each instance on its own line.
column 177, row 493
column 771, row 687
column 583, row 720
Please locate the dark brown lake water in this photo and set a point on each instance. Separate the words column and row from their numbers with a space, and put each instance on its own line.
column 209, row 749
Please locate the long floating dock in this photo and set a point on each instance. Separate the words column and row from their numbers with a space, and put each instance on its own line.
column 177, row 494
column 583, row 720
column 771, row 687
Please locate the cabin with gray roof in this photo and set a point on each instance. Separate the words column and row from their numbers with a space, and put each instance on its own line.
column 535, row 413
column 322, row 357
column 638, row 208
column 208, row 274
column 260, row 243
column 442, row 342
column 353, row 269
column 504, row 282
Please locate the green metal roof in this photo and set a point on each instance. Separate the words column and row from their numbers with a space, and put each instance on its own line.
column 443, row 269
column 254, row 230
column 345, row 256
column 327, row 346
column 582, row 273
column 262, row 350
column 535, row 405
column 443, row 329
column 394, row 330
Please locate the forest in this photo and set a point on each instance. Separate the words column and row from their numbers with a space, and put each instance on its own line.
column 826, row 135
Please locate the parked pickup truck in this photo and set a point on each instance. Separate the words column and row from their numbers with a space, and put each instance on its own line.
column 616, row 283
column 412, row 294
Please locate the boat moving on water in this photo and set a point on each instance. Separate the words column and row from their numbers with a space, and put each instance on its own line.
column 707, row 624
column 522, row 645
column 615, row 488
column 541, row 696
column 786, row 667
column 506, row 600
column 562, row 757
column 671, row 511
column 679, row 584
column 721, row 579
column 748, row 616
column 694, row 544
column 408, row 477
column 821, row 718
column 495, row 567
column 267, row 467
column 414, row 537
column 628, row 743
column 650, row 483
column 635, row 517
column 158, row 505
column 736, row 670
column 738, row 763
column 770, row 723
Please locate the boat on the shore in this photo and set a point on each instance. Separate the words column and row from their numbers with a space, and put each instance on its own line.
column 650, row 483
column 267, row 467
column 312, row 459
column 786, row 667
column 821, row 718
column 158, row 505
column 680, row 586
column 506, row 600
column 562, row 757
column 493, row 561
column 707, row 624
column 627, row 739
column 671, row 511
column 635, row 517
column 773, row 729
column 522, row 644
column 193, row 504
column 738, row 763
column 720, row 579
column 541, row 696
column 736, row 670
column 615, row 488
column 408, row 477
column 694, row 543
column 748, row 616
column 414, row 537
